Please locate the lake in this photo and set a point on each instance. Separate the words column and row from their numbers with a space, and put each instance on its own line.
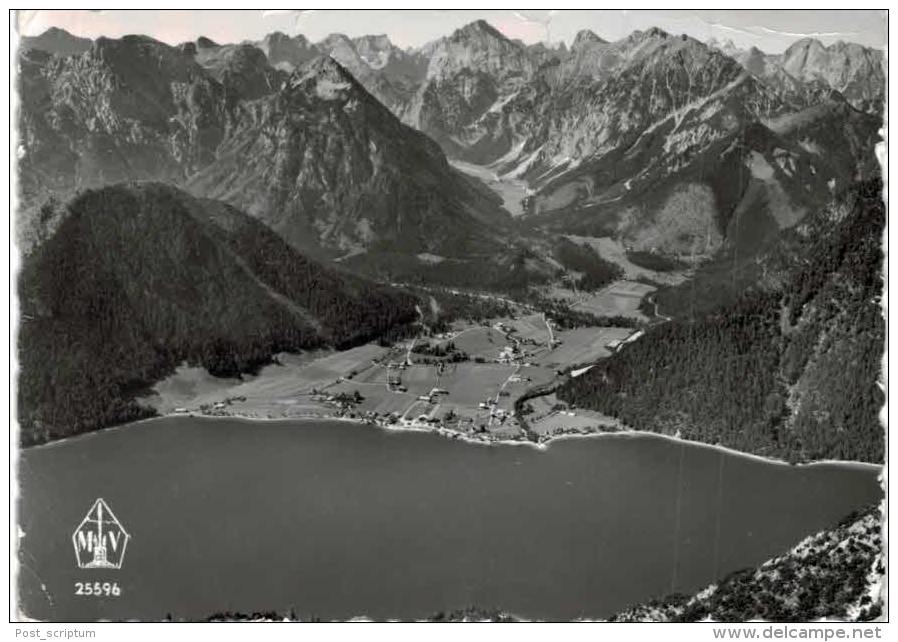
column 335, row 520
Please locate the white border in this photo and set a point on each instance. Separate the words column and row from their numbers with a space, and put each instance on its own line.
column 383, row 632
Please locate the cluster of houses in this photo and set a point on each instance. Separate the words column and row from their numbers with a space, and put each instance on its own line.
column 495, row 412
column 509, row 354
column 394, row 376
column 514, row 355
column 431, row 397
column 216, row 408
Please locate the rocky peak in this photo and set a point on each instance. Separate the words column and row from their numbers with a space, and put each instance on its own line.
column 640, row 44
column 323, row 77
column 242, row 69
column 246, row 53
column 188, row 48
column 286, row 52
column 131, row 98
column 324, row 67
column 542, row 52
column 478, row 47
column 205, row 43
column 663, row 50
column 335, row 40
column 849, row 68
column 376, row 51
column 806, row 44
column 56, row 41
column 850, row 48
column 277, row 37
column 343, row 50
column 329, row 166
column 807, row 51
column 388, row 73
column 584, row 38
column 378, row 42
column 651, row 33
column 477, row 30
column 141, row 60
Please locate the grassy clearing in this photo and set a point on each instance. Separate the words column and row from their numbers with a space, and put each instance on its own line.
column 480, row 342
column 469, row 384
column 276, row 389
column 582, row 346
column 621, row 298
column 531, row 327
column 614, row 251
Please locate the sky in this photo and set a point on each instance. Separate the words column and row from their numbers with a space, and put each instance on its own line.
column 770, row 31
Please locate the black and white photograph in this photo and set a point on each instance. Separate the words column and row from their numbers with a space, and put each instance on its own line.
column 449, row 316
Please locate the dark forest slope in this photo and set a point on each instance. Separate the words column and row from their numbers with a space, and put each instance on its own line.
column 791, row 373
column 139, row 278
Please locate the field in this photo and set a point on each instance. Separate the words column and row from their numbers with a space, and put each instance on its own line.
column 561, row 422
column 582, row 346
column 336, row 364
column 531, row 327
column 285, row 390
column 469, row 383
column 546, row 420
column 621, row 298
column 612, row 250
column 385, row 403
column 278, row 390
column 479, row 341
column 542, row 406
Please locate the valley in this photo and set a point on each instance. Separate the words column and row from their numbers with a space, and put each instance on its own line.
column 512, row 191
column 350, row 229
column 465, row 381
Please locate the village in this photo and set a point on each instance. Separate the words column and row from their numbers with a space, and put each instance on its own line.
column 487, row 381
column 466, row 382
column 463, row 383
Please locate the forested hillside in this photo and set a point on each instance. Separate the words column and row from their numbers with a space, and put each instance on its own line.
column 595, row 272
column 139, row 278
column 792, row 373
column 836, row 573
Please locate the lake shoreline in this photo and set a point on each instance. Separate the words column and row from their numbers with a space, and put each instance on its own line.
column 324, row 501
column 542, row 445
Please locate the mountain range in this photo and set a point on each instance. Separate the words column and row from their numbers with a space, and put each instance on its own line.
column 588, row 131
column 357, row 167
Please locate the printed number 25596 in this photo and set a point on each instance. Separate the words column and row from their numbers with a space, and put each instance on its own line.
column 111, row 589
